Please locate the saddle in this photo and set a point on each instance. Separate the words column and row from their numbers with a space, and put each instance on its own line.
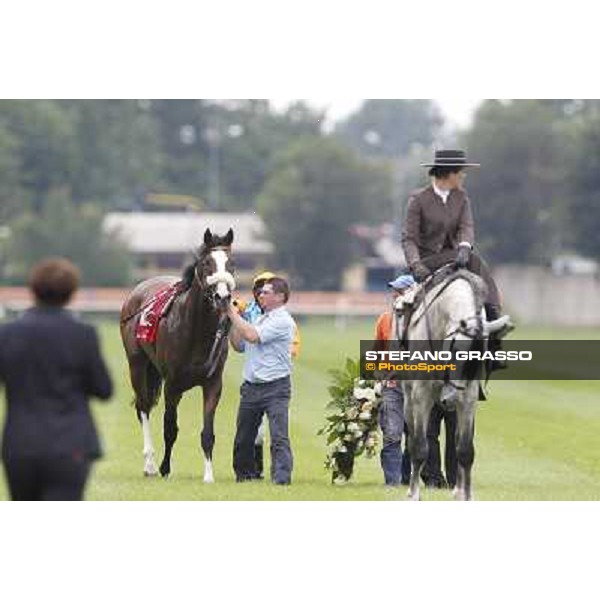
column 156, row 309
column 408, row 304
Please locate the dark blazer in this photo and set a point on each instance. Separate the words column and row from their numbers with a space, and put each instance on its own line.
column 50, row 364
column 431, row 226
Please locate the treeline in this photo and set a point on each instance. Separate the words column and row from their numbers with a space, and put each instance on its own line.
column 64, row 163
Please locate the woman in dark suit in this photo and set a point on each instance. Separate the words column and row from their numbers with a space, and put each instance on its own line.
column 50, row 364
column 439, row 229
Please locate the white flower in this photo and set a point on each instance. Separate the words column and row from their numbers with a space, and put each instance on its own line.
column 352, row 427
column 360, row 393
column 367, row 406
column 364, row 416
column 352, row 413
column 341, row 428
column 358, row 434
column 378, row 389
column 348, row 437
column 364, row 394
column 371, row 443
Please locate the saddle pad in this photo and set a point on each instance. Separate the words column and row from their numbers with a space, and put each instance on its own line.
column 147, row 327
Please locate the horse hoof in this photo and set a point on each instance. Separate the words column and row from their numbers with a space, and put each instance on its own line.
column 150, row 473
column 208, row 479
column 164, row 472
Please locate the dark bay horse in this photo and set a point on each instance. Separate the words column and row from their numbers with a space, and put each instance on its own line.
column 190, row 348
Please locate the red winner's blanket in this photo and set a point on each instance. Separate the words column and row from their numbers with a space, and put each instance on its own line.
column 147, row 326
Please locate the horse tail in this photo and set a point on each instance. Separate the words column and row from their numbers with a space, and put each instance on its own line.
column 153, row 384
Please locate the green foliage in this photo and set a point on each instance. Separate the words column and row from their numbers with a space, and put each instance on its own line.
column 45, row 144
column 352, row 429
column 585, row 184
column 389, row 128
column 519, row 195
column 317, row 190
column 70, row 231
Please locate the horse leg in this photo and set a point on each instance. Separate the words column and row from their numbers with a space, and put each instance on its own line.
column 212, row 394
column 418, row 409
column 150, row 469
column 146, row 383
column 170, row 428
column 465, row 448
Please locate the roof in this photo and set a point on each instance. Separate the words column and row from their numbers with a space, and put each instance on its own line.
column 149, row 233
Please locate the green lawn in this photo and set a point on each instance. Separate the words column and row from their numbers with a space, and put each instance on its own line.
column 535, row 440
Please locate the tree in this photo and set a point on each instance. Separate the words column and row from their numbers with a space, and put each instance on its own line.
column 118, row 150
column 388, row 128
column 585, row 185
column 70, row 231
column 519, row 194
column 316, row 192
column 45, row 144
column 12, row 194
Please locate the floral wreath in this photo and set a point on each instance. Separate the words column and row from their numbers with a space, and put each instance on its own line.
column 353, row 428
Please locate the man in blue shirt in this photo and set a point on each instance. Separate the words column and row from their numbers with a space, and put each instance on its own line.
column 267, row 386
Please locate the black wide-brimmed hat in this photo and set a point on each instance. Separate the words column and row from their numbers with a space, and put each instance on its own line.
column 450, row 158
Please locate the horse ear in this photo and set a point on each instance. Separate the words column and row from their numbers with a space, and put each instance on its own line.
column 228, row 239
column 208, row 237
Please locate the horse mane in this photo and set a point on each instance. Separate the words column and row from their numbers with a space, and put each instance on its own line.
column 477, row 284
column 187, row 277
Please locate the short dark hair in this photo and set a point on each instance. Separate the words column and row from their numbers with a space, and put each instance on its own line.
column 444, row 172
column 280, row 286
column 53, row 281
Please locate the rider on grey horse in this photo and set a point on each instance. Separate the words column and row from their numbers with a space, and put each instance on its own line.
column 438, row 230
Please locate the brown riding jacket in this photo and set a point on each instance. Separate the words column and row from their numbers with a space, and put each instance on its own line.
column 431, row 226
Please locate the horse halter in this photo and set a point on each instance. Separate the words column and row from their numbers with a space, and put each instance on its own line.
column 214, row 279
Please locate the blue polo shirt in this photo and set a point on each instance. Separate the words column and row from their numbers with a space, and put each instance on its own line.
column 270, row 358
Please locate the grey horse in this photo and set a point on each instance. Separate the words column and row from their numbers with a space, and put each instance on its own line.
column 452, row 311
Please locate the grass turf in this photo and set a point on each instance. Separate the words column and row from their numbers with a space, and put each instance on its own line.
column 534, row 441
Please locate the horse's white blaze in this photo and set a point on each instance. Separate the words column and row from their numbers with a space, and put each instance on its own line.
column 208, row 472
column 149, row 464
column 221, row 274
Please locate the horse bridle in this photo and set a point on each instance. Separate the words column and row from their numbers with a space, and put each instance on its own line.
column 224, row 325
column 208, row 290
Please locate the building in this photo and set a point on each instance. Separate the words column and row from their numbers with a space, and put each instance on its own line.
column 162, row 242
column 382, row 257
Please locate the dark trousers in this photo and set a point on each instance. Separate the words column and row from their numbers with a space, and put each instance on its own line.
column 46, row 478
column 432, row 472
column 272, row 398
column 476, row 265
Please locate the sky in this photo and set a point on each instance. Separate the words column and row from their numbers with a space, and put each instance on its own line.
column 458, row 112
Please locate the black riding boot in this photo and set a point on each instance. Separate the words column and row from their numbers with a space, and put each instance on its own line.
column 493, row 312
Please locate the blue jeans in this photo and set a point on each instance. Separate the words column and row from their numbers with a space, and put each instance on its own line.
column 272, row 398
column 391, row 420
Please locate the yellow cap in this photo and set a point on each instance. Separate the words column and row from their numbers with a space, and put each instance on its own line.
column 263, row 276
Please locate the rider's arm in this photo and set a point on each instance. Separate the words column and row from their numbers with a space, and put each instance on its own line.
column 466, row 228
column 411, row 232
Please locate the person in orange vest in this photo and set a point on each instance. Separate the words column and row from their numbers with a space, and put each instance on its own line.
column 250, row 312
column 391, row 412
